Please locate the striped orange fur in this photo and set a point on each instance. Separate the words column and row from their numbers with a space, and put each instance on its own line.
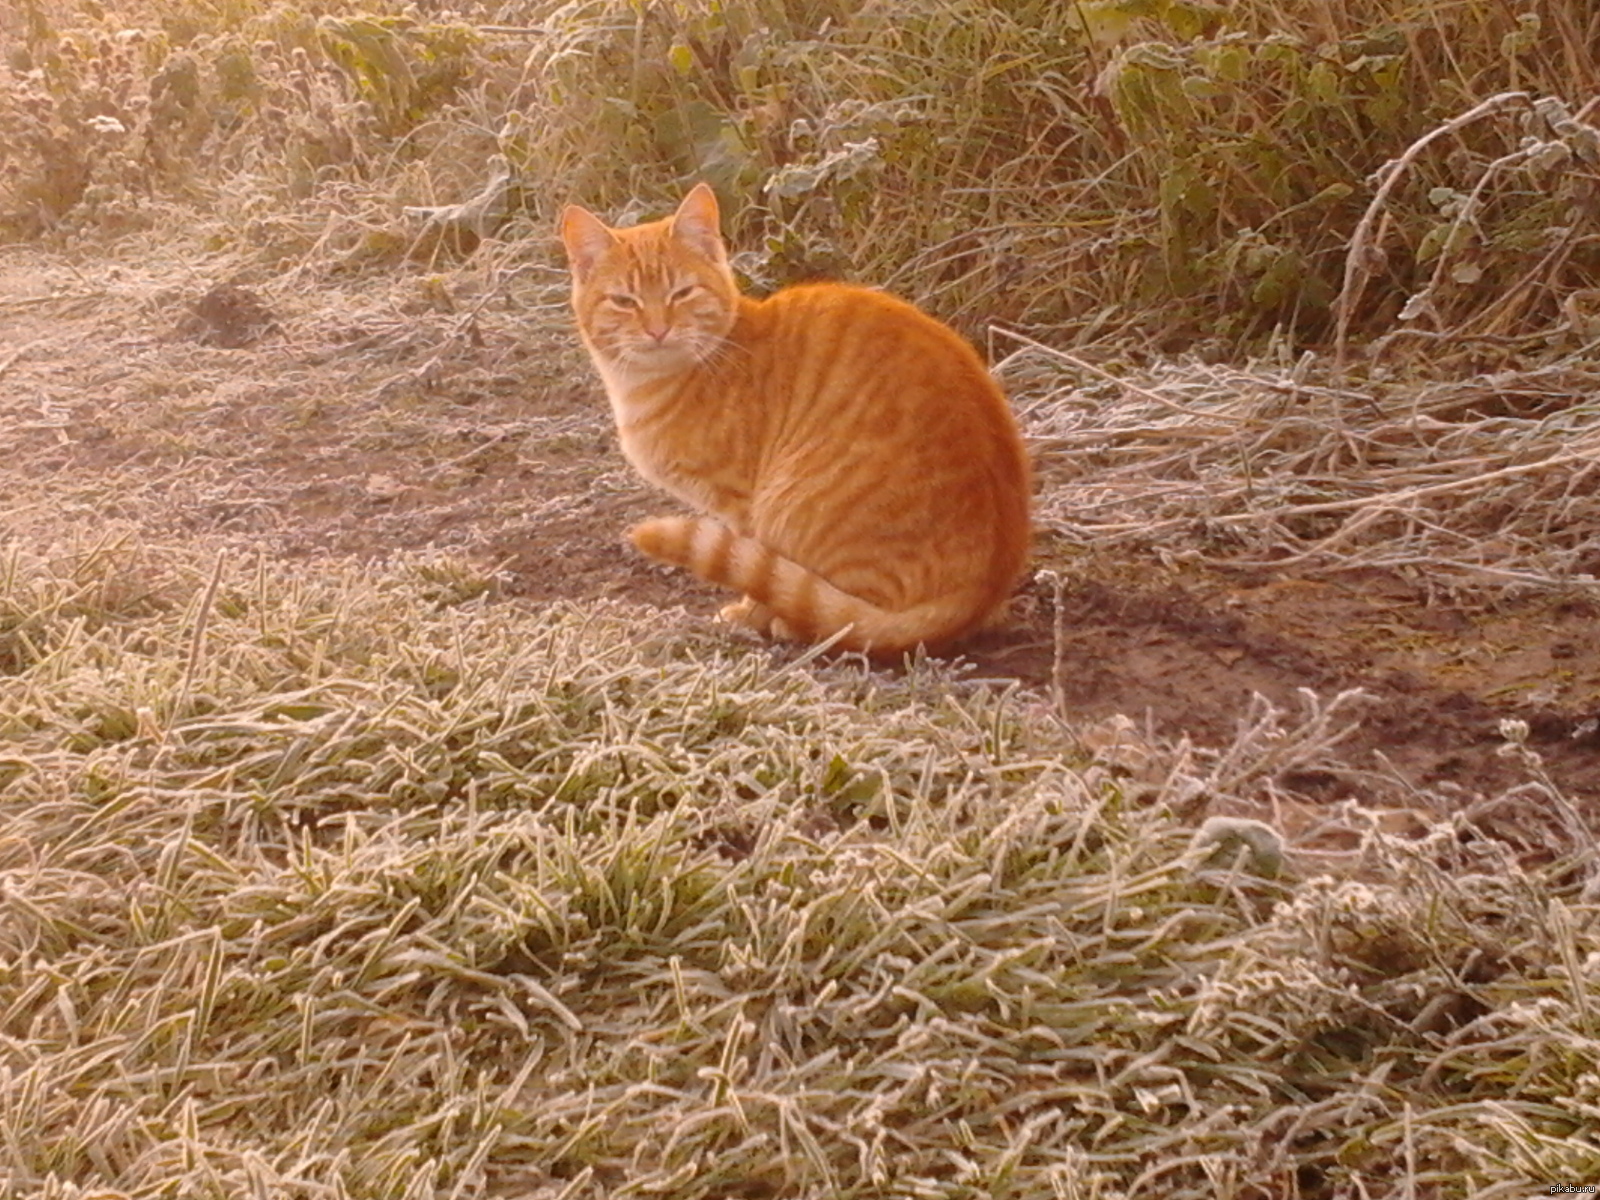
column 854, row 466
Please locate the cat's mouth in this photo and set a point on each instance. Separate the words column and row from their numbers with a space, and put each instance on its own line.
column 652, row 354
column 669, row 353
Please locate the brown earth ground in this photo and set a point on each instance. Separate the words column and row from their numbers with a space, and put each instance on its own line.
column 315, row 415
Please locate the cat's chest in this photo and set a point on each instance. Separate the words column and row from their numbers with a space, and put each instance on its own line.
column 666, row 457
column 670, row 431
column 703, row 462
column 648, row 452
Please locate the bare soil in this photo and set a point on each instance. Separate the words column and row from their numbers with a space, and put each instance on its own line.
column 321, row 415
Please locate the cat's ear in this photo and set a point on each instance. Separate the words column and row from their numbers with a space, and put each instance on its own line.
column 697, row 223
column 586, row 238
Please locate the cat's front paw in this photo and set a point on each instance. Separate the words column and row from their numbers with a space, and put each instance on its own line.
column 781, row 631
column 752, row 614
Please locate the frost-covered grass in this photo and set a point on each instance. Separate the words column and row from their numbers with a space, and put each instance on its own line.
column 351, row 881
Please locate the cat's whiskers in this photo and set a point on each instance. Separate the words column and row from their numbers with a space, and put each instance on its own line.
column 712, row 350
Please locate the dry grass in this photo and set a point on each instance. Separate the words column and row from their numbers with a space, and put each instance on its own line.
column 346, row 883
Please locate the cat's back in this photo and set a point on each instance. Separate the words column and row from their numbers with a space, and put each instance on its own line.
column 846, row 318
column 881, row 368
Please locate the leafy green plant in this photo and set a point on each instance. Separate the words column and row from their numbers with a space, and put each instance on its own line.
column 404, row 70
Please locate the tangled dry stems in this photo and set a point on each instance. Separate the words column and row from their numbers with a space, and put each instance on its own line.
column 1486, row 481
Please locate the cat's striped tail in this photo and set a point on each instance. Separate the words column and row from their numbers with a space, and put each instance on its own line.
column 808, row 604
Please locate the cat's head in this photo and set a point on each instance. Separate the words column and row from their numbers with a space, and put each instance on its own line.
column 654, row 298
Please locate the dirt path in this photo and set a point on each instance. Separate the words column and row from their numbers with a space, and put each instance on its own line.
column 372, row 417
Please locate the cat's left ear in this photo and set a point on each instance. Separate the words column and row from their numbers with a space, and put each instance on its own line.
column 587, row 239
column 698, row 223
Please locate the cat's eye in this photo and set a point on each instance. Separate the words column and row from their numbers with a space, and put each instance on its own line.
column 681, row 294
column 622, row 300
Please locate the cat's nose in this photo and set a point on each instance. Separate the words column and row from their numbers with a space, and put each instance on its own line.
column 660, row 335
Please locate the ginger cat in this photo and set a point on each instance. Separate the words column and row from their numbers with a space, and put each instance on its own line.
column 856, row 467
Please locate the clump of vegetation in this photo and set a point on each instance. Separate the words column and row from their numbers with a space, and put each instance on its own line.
column 119, row 113
column 335, row 882
column 1093, row 168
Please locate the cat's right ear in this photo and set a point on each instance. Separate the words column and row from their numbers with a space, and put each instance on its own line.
column 586, row 239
